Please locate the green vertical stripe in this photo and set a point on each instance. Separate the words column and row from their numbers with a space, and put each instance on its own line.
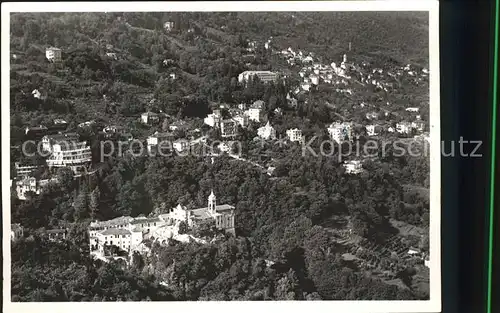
column 493, row 148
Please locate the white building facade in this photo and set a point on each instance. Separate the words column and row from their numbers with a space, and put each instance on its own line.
column 67, row 151
column 264, row 76
column 267, row 132
column 404, row 128
column 372, row 130
column 150, row 118
column 53, row 54
column 340, row 132
column 353, row 167
column 213, row 119
column 254, row 114
column 159, row 141
column 294, row 135
column 76, row 155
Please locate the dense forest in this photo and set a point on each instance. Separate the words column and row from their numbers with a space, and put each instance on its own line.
column 288, row 225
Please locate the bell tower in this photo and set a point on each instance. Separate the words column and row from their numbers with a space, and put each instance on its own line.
column 211, row 202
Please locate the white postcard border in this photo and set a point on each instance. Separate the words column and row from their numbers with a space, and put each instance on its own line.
column 432, row 305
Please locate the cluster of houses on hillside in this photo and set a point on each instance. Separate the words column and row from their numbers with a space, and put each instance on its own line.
column 61, row 150
column 228, row 127
column 27, row 185
column 241, row 117
column 17, row 232
column 297, row 57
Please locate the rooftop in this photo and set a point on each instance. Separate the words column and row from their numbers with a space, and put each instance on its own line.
column 204, row 213
column 142, row 220
column 63, row 137
column 257, row 72
column 115, row 231
column 201, row 213
column 55, row 231
column 149, row 113
column 72, row 145
column 41, row 127
column 122, row 220
column 223, row 208
column 228, row 121
column 161, row 135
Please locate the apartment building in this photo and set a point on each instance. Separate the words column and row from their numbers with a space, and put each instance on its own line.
column 67, row 151
column 264, row 76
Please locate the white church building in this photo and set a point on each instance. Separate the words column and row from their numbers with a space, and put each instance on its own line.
column 221, row 215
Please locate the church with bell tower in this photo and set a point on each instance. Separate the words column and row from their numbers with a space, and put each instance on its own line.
column 221, row 215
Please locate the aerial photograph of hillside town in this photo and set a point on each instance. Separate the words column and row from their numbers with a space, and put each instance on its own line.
column 200, row 156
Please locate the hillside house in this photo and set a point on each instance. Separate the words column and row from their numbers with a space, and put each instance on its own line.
column 53, row 54
column 267, row 132
column 228, row 128
column 340, row 132
column 294, row 135
column 150, row 118
column 180, row 145
column 56, row 234
column 168, row 26
column 159, row 140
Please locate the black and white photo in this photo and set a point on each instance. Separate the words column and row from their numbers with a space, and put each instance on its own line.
column 223, row 152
